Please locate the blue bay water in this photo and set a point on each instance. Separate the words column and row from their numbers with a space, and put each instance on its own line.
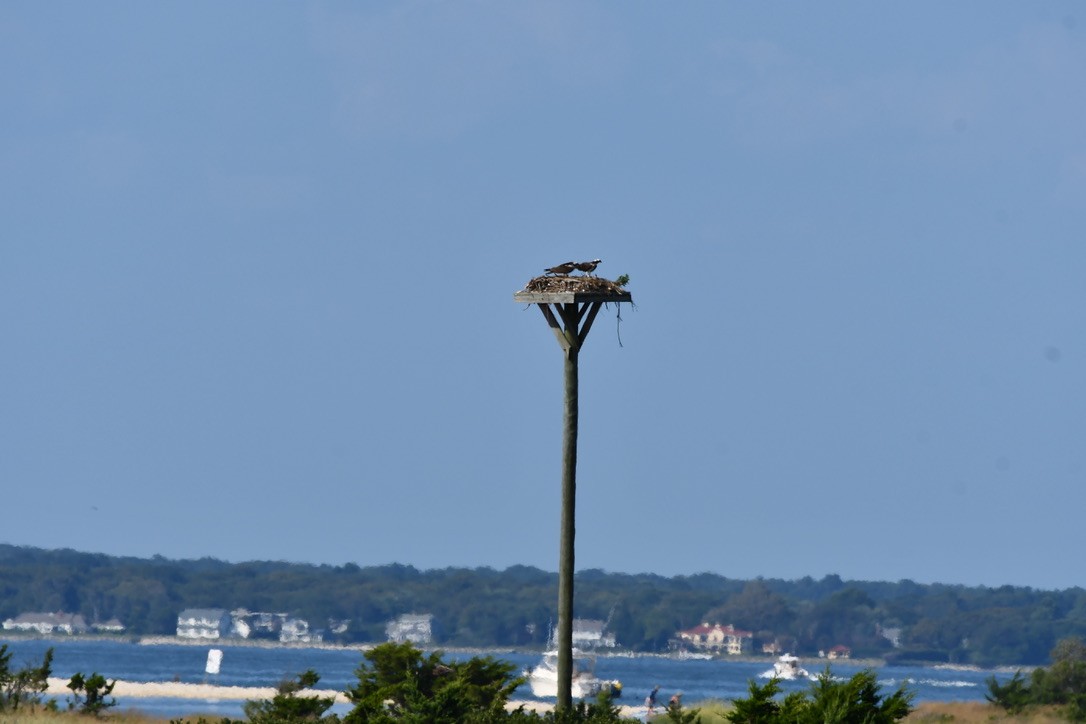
column 247, row 666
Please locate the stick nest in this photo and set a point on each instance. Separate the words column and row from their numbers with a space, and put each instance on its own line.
column 565, row 283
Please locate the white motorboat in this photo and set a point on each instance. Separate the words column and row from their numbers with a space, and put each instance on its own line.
column 786, row 668
column 543, row 677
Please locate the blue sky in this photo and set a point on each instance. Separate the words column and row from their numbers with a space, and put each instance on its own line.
column 257, row 264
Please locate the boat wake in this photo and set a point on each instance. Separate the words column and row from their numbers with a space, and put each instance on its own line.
column 935, row 683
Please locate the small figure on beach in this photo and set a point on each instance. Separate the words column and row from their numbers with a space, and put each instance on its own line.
column 675, row 704
column 650, row 700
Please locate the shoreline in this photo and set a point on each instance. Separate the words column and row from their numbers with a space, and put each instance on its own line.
column 58, row 687
column 496, row 651
column 363, row 647
column 247, row 643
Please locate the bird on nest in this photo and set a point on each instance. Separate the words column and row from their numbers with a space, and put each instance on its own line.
column 588, row 266
column 562, row 268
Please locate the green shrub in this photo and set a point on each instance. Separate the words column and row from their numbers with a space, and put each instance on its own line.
column 829, row 701
column 289, row 708
column 401, row 684
column 398, row 683
column 26, row 686
column 1014, row 696
column 1063, row 684
column 91, row 695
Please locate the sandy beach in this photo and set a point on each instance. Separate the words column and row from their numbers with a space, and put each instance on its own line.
column 178, row 690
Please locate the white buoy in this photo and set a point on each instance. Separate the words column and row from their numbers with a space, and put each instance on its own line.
column 214, row 661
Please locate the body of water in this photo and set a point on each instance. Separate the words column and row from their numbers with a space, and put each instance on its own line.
column 247, row 666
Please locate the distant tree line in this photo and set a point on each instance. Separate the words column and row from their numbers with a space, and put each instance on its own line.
column 516, row 607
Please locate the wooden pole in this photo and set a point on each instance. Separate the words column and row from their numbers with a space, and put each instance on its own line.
column 564, row 637
column 572, row 329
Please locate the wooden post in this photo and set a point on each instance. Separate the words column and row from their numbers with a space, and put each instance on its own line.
column 576, row 312
column 568, row 530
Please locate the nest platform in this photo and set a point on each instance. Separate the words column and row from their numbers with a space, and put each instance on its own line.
column 566, row 289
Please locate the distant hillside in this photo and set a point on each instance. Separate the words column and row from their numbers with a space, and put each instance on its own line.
column 517, row 606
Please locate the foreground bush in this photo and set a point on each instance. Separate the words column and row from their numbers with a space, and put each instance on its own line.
column 25, row 687
column 401, row 684
column 286, row 707
column 853, row 701
column 1062, row 685
column 91, row 694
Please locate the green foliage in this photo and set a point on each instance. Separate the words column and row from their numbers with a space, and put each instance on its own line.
column 1014, row 696
column 758, row 607
column 1063, row 684
column 401, row 684
column 853, row 701
column 289, row 708
column 26, row 686
column 1070, row 650
column 487, row 607
column 91, row 695
column 759, row 707
column 677, row 714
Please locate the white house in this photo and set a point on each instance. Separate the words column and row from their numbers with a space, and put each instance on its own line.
column 203, row 623
column 47, row 623
column 256, row 624
column 416, row 628
column 728, row 638
column 296, row 630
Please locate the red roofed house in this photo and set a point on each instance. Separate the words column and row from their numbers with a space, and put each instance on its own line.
column 718, row 638
column 839, row 652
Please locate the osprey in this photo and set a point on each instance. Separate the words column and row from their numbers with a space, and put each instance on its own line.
column 562, row 268
column 588, row 266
